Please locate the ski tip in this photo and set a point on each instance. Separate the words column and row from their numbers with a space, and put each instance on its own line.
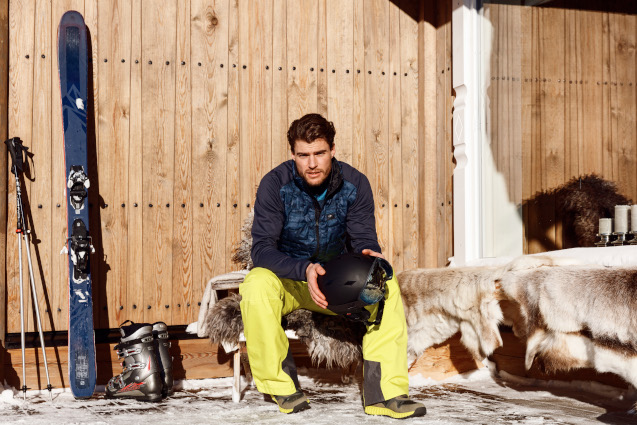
column 72, row 17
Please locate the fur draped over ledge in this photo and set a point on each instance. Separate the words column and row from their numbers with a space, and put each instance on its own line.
column 440, row 302
column 572, row 315
column 576, row 317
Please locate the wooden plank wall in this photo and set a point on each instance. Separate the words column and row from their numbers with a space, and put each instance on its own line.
column 191, row 103
column 562, row 98
column 4, row 127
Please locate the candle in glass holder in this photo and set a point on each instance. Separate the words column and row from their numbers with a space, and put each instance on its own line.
column 621, row 218
column 633, row 218
column 605, row 226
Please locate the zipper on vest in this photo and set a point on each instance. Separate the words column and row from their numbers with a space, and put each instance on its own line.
column 317, row 216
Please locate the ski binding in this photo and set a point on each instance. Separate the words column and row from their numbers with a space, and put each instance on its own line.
column 81, row 246
column 78, row 183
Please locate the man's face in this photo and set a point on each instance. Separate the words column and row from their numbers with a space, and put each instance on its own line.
column 313, row 160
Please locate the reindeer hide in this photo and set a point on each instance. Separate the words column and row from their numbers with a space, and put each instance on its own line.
column 440, row 302
column 577, row 316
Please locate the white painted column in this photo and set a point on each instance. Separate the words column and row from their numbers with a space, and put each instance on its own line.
column 467, row 241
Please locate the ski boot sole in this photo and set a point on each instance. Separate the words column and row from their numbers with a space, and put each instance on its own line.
column 296, row 402
column 153, row 398
column 298, row 408
column 384, row 411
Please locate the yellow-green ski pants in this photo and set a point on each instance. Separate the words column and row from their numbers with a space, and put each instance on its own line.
column 266, row 298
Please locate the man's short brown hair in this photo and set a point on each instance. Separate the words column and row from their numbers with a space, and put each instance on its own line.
column 309, row 128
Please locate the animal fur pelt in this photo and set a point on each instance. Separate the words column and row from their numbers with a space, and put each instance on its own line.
column 223, row 321
column 580, row 203
column 241, row 253
column 440, row 302
column 330, row 339
column 577, row 316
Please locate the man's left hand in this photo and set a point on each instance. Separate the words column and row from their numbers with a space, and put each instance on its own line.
column 373, row 253
column 312, row 272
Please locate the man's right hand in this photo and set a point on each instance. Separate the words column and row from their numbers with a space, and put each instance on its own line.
column 311, row 274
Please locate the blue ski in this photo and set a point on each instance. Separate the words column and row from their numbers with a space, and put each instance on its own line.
column 73, row 70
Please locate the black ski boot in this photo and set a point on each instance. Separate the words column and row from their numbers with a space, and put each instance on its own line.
column 160, row 332
column 141, row 378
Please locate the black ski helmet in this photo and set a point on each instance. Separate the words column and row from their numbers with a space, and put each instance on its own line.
column 353, row 281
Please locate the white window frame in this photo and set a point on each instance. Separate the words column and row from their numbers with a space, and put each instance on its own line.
column 478, row 204
column 466, row 53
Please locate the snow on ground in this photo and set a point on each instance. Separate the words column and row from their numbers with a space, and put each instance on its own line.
column 475, row 397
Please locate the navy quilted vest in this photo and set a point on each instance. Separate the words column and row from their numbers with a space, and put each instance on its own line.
column 309, row 231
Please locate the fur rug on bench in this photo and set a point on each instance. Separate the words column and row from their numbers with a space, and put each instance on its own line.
column 577, row 316
column 330, row 339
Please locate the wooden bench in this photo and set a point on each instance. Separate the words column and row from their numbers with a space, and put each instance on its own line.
column 230, row 281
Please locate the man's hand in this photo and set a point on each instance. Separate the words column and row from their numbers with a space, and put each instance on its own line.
column 373, row 253
column 311, row 274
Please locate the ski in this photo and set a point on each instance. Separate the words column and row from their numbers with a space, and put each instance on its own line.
column 73, row 71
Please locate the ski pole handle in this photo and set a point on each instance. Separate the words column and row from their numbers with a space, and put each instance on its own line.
column 16, row 150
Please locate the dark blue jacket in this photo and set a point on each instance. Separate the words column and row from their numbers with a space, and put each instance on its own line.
column 291, row 229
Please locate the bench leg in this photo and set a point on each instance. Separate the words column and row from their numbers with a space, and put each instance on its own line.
column 246, row 365
column 236, row 385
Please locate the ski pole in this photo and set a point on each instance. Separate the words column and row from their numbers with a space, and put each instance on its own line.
column 18, row 231
column 37, row 309
column 16, row 151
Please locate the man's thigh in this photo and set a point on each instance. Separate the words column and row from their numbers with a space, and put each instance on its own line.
column 262, row 284
column 298, row 296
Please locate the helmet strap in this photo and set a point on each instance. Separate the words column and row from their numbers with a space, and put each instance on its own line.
column 379, row 313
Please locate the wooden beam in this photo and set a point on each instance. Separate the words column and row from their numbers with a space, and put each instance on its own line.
column 4, row 123
column 192, row 359
column 444, row 360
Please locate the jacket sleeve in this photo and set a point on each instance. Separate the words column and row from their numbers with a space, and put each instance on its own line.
column 269, row 217
column 361, row 223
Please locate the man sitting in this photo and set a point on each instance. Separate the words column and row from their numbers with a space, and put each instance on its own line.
column 309, row 210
